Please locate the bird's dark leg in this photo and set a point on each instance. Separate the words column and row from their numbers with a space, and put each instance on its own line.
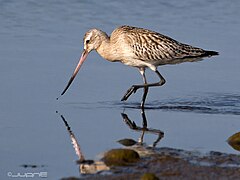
column 134, row 88
column 145, row 89
column 144, row 119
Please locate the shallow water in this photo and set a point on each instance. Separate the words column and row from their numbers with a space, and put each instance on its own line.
column 197, row 109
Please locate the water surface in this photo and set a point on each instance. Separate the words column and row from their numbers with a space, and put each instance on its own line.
column 41, row 41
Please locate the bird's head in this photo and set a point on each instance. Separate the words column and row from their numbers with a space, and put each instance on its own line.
column 92, row 40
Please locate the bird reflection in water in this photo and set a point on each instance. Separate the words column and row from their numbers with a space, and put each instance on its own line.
column 85, row 166
column 144, row 129
column 93, row 167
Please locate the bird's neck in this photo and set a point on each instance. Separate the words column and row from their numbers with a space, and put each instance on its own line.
column 107, row 49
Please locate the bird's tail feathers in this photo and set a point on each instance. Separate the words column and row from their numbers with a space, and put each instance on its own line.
column 211, row 53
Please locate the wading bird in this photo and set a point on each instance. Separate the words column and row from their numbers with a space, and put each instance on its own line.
column 141, row 48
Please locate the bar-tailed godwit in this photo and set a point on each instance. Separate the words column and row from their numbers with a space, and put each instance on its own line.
column 140, row 48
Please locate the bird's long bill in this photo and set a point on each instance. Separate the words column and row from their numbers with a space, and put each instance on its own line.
column 81, row 60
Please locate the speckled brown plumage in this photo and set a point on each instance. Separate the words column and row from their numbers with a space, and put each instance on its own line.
column 151, row 46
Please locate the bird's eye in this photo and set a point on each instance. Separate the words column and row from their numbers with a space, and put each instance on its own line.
column 87, row 41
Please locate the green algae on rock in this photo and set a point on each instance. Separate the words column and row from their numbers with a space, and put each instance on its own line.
column 149, row 176
column 234, row 141
column 127, row 142
column 120, row 157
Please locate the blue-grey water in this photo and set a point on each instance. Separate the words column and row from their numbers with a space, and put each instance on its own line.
column 40, row 43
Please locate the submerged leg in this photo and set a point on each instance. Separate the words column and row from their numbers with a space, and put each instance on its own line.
column 134, row 88
column 145, row 89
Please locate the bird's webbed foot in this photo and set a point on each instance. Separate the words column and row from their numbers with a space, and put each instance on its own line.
column 129, row 92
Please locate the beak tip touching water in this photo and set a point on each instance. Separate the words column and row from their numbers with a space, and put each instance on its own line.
column 81, row 60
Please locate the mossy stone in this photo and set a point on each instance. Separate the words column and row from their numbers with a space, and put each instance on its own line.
column 120, row 157
column 149, row 176
column 127, row 142
column 234, row 141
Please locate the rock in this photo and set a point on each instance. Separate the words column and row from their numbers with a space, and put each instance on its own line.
column 120, row 157
column 149, row 176
column 234, row 141
column 127, row 142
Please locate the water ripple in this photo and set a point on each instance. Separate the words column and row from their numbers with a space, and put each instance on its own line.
column 211, row 103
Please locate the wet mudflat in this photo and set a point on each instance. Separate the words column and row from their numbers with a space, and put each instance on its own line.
column 168, row 163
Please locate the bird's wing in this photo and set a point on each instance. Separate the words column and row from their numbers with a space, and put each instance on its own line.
column 153, row 47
